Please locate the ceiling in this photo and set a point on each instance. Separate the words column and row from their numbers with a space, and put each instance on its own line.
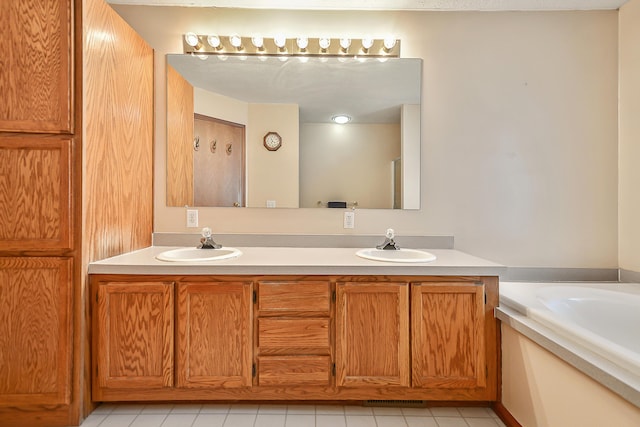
column 471, row 5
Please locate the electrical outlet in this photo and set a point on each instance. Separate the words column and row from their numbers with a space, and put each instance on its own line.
column 349, row 219
column 271, row 203
column 192, row 218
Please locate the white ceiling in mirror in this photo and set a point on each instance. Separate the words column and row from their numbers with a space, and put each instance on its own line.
column 369, row 91
column 473, row 5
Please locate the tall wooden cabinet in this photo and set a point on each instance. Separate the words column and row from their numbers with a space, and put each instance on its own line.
column 38, row 176
column 50, row 228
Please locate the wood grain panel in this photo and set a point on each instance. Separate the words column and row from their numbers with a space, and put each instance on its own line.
column 372, row 338
column 214, row 343
column 36, row 65
column 282, row 298
column 294, row 336
column 133, row 330
column 35, row 330
column 294, row 370
column 118, row 139
column 35, row 185
column 180, row 134
column 448, row 335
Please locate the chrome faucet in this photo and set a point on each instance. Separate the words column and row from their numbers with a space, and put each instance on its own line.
column 206, row 242
column 389, row 243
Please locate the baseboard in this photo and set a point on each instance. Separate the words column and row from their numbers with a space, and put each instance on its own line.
column 629, row 276
column 504, row 414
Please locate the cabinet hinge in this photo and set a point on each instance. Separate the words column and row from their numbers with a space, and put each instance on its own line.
column 485, row 298
column 486, row 372
column 333, row 296
column 255, row 297
column 333, row 369
column 253, row 370
column 96, row 297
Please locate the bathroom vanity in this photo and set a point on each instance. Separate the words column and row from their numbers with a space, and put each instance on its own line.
column 294, row 324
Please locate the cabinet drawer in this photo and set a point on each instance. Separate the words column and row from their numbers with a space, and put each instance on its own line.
column 278, row 298
column 294, row 336
column 294, row 370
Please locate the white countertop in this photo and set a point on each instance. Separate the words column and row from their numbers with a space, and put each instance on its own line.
column 294, row 260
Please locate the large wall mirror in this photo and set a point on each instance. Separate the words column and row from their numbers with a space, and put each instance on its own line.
column 223, row 112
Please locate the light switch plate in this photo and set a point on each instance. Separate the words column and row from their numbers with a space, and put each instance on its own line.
column 192, row 218
column 349, row 219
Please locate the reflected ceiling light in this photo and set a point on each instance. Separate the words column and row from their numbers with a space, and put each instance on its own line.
column 302, row 43
column 192, row 40
column 341, row 119
column 214, row 41
column 257, row 41
column 324, row 43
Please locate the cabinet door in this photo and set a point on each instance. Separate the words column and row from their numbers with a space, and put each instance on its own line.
column 35, row 331
column 133, row 335
column 447, row 324
column 35, row 184
column 372, row 334
column 35, row 70
column 214, row 334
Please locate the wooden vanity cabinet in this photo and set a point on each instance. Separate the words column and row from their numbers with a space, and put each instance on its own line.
column 447, row 335
column 372, row 345
column 132, row 336
column 214, row 336
column 295, row 338
column 293, row 334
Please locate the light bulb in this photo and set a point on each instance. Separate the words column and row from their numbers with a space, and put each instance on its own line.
column 235, row 41
column 192, row 39
column 214, row 41
column 280, row 41
column 324, row 43
column 302, row 42
column 389, row 43
column 257, row 41
column 367, row 42
column 345, row 43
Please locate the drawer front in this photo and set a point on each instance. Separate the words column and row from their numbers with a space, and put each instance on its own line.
column 294, row 336
column 285, row 297
column 294, row 370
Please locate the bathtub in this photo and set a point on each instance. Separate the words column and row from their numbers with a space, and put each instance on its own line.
column 593, row 326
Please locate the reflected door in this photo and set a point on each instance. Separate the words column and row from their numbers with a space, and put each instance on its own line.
column 218, row 162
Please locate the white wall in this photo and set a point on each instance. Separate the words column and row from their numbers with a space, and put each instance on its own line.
column 350, row 163
column 220, row 106
column 629, row 151
column 272, row 175
column 410, row 156
column 519, row 136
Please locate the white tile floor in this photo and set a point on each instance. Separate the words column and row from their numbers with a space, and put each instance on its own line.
column 250, row 415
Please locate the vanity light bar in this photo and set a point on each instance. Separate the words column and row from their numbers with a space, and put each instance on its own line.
column 280, row 46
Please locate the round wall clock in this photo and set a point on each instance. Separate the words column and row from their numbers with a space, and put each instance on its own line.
column 272, row 141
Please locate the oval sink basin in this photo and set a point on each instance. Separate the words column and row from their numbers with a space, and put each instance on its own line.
column 195, row 254
column 401, row 255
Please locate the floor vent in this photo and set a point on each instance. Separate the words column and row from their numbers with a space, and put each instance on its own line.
column 396, row 403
